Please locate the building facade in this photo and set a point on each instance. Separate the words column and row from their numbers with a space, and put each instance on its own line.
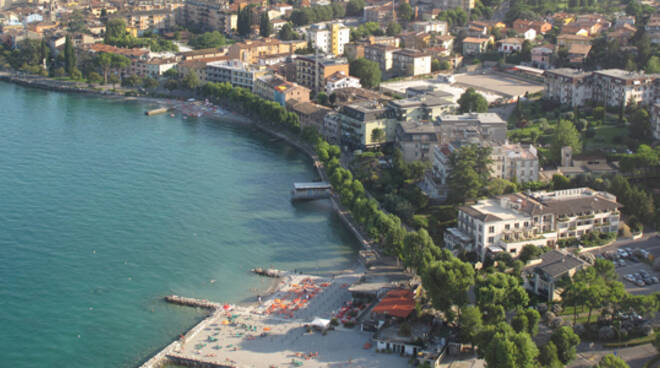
column 329, row 38
column 237, row 73
column 509, row 222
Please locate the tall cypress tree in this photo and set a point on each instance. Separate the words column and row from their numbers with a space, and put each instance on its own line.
column 265, row 26
column 69, row 56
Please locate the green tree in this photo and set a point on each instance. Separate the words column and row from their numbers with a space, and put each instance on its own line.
column 265, row 26
column 368, row 71
column 94, row 77
column 526, row 51
column 501, row 289
column 472, row 101
column 104, row 61
column 191, row 80
column 208, row 40
column 530, row 252
column 565, row 135
column 355, row 7
column 405, row 12
column 149, row 83
column 611, row 361
column 549, row 357
column 470, row 172
column 448, row 282
column 115, row 31
column 244, row 21
column 393, row 29
column 640, row 124
column 69, row 56
column 287, row 33
column 653, row 65
column 377, row 135
column 470, row 323
column 566, row 341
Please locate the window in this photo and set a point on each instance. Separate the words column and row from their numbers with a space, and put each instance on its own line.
column 491, row 229
column 526, row 224
column 491, row 239
column 507, row 227
column 517, row 225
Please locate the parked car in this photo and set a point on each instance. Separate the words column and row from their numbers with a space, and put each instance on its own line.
column 655, row 280
column 629, row 277
column 640, row 283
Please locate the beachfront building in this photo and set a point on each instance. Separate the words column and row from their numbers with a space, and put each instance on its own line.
column 329, row 38
column 509, row 222
column 237, row 73
column 275, row 88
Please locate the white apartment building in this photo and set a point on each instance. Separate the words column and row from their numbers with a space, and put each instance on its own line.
column 509, row 222
column 615, row 87
column 435, row 26
column 509, row 161
column 567, row 86
column 411, row 62
column 612, row 87
column 236, row 72
column 515, row 162
column 329, row 38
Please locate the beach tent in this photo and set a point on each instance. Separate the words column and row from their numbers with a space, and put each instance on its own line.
column 320, row 323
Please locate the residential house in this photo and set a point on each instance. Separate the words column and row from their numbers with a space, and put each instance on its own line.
column 523, row 25
column 250, row 51
column 577, row 54
column 566, row 40
column 415, row 40
column 434, row 26
column 340, row 80
column 542, row 56
column 155, row 20
column 197, row 66
column 615, row 87
column 381, row 13
column 510, row 45
column 411, row 62
column 507, row 223
column 208, row 15
column 542, row 276
column 475, row 46
column 446, row 41
column 463, row 127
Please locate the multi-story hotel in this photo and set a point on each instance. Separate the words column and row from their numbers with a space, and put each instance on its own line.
column 509, row 222
column 237, row 73
column 311, row 72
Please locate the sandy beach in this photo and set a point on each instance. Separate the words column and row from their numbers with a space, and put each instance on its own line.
column 273, row 333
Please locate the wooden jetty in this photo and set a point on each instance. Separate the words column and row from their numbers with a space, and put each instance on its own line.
column 191, row 302
column 160, row 110
column 309, row 191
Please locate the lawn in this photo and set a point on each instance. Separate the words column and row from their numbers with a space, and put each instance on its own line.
column 606, row 138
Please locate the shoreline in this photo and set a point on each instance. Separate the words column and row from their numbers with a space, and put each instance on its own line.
column 210, row 111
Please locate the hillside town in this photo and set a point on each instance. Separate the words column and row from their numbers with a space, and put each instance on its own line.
column 499, row 156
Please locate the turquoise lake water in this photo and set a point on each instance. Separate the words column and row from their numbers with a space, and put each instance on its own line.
column 103, row 211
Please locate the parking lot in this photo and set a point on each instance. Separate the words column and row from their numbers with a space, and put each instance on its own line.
column 637, row 276
column 498, row 83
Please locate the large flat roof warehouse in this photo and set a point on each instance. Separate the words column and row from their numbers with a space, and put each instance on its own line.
column 498, row 83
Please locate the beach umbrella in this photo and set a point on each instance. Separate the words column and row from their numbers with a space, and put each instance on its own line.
column 226, row 306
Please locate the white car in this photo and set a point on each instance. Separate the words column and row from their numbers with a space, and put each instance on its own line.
column 630, row 277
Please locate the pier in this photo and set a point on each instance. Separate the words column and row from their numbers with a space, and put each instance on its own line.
column 161, row 110
column 309, row 191
column 191, row 302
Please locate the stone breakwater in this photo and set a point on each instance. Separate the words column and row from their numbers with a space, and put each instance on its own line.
column 191, row 302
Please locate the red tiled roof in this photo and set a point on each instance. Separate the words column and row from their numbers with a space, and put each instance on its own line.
column 397, row 303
